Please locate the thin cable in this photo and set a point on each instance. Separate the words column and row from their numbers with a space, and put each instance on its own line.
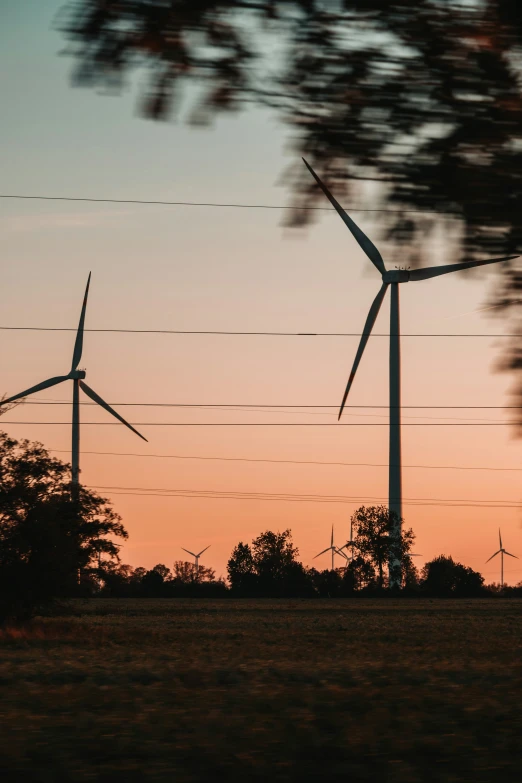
column 302, row 495
column 271, row 410
column 233, row 496
column 238, row 334
column 273, row 424
column 283, row 461
column 248, row 406
column 215, row 204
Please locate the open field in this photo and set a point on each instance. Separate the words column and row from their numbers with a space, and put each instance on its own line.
column 252, row 690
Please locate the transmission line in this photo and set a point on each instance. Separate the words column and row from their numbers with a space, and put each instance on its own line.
column 282, row 461
column 223, row 333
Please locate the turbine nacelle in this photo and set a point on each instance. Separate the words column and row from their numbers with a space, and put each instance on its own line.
column 396, row 276
column 77, row 375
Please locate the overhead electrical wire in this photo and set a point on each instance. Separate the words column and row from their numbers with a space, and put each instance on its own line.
column 222, row 333
column 212, row 204
column 275, row 424
column 288, row 497
column 283, row 461
column 249, row 406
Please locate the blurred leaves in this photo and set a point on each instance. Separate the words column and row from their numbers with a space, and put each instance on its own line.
column 423, row 97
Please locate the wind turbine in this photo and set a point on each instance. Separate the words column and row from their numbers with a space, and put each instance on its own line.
column 76, row 376
column 392, row 279
column 196, row 557
column 334, row 550
column 501, row 552
column 349, row 544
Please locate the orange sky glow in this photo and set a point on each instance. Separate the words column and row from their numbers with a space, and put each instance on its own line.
column 182, row 268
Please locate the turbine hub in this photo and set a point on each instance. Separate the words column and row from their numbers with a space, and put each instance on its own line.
column 396, row 276
column 77, row 375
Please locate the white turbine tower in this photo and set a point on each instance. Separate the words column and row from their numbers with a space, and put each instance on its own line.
column 334, row 550
column 390, row 279
column 196, row 557
column 501, row 552
column 76, row 376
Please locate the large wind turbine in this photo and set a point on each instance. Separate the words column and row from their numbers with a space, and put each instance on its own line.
column 76, row 376
column 501, row 552
column 196, row 557
column 391, row 279
column 334, row 550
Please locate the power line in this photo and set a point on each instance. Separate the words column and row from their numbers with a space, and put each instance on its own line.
column 283, row 461
column 270, row 410
column 234, row 495
column 274, row 424
column 249, row 405
column 223, row 333
column 215, row 204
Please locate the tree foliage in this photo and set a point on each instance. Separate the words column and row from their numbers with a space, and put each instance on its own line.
column 376, row 541
column 422, row 97
column 269, row 567
column 444, row 578
column 46, row 539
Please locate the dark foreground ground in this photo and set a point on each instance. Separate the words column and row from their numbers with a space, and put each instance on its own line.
column 263, row 690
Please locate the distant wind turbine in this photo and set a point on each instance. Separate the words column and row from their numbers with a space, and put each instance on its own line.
column 334, row 550
column 196, row 557
column 349, row 544
column 76, row 376
column 501, row 552
column 393, row 279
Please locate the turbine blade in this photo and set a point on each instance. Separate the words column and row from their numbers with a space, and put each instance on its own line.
column 368, row 326
column 509, row 553
column 435, row 271
column 492, row 556
column 39, row 386
column 500, row 538
column 331, row 540
column 78, row 345
column 323, row 552
column 92, row 394
column 204, row 550
column 338, row 551
column 188, row 551
column 361, row 238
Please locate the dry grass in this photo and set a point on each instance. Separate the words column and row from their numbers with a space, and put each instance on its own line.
column 254, row 690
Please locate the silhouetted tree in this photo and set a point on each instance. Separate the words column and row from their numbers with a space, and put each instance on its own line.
column 443, row 577
column 327, row 583
column 268, row 568
column 373, row 536
column 46, row 539
column 241, row 570
column 359, row 575
column 424, row 97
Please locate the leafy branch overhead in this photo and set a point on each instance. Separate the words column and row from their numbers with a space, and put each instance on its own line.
column 422, row 96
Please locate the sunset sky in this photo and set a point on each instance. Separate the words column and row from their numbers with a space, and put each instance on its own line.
column 197, row 268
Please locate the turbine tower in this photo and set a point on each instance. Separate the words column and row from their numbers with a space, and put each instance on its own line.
column 349, row 544
column 334, row 550
column 391, row 279
column 196, row 557
column 76, row 376
column 501, row 552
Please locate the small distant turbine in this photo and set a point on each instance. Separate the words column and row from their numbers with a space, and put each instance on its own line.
column 334, row 550
column 76, row 376
column 349, row 544
column 391, row 279
column 196, row 557
column 501, row 552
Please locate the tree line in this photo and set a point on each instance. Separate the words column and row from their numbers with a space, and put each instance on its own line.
column 54, row 546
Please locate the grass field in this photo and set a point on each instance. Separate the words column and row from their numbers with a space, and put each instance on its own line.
column 264, row 690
